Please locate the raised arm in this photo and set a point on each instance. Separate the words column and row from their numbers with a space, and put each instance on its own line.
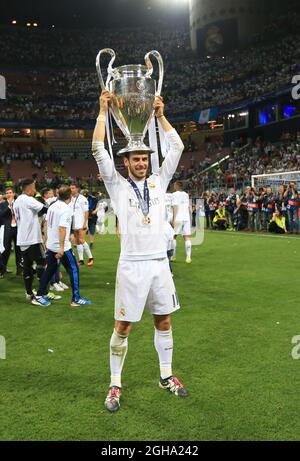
column 174, row 143
column 105, row 163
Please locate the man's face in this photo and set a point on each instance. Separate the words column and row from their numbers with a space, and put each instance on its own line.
column 74, row 190
column 232, row 191
column 269, row 190
column 31, row 189
column 9, row 194
column 49, row 194
column 137, row 164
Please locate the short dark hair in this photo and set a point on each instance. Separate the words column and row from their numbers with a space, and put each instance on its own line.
column 64, row 193
column 179, row 184
column 9, row 188
column 136, row 152
column 45, row 190
column 74, row 183
column 27, row 182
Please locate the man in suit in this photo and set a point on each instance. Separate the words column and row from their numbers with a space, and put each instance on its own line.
column 2, row 267
column 10, row 230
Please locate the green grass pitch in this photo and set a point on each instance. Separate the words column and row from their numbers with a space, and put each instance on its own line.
column 240, row 310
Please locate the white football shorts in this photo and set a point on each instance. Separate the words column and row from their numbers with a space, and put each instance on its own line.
column 141, row 284
column 182, row 228
column 77, row 221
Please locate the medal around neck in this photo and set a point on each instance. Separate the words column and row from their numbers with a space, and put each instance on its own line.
column 133, row 92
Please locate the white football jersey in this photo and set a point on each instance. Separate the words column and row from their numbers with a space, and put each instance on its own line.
column 79, row 205
column 59, row 214
column 141, row 238
column 26, row 209
column 182, row 203
column 101, row 209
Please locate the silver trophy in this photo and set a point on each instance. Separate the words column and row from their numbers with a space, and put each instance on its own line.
column 133, row 92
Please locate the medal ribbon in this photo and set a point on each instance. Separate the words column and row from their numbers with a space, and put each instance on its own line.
column 143, row 202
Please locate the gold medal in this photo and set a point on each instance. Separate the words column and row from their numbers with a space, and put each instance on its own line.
column 146, row 220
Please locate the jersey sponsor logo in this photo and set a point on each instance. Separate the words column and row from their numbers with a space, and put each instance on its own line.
column 135, row 204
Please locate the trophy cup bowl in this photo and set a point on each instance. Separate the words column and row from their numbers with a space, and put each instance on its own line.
column 133, row 93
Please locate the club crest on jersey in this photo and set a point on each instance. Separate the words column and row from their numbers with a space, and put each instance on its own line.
column 122, row 312
column 151, row 185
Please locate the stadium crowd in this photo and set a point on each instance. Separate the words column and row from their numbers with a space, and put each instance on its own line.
column 71, row 91
column 258, row 157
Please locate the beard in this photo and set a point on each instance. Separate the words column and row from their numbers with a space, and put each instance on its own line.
column 137, row 174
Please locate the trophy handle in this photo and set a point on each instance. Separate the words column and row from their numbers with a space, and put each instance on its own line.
column 110, row 70
column 149, row 65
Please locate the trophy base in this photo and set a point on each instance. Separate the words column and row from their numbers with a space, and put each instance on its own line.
column 135, row 147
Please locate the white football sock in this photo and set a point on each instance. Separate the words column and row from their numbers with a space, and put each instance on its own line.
column 80, row 252
column 102, row 228
column 163, row 341
column 174, row 247
column 87, row 250
column 118, row 351
column 188, row 248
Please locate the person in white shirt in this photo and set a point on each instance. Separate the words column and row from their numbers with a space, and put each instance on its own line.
column 101, row 210
column 59, row 249
column 143, row 274
column 169, row 231
column 29, row 237
column 80, row 210
column 55, row 284
column 182, row 220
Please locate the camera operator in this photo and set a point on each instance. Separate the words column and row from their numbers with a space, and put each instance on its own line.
column 292, row 196
column 220, row 221
column 278, row 224
column 268, row 205
column 212, row 204
column 253, row 209
column 242, row 213
column 231, row 206
column 281, row 202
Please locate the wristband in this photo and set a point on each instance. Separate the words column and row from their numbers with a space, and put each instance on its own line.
column 101, row 118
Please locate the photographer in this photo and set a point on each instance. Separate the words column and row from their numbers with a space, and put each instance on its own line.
column 268, row 205
column 242, row 213
column 292, row 196
column 212, row 205
column 231, row 206
column 281, row 202
column 220, row 221
column 278, row 224
column 253, row 209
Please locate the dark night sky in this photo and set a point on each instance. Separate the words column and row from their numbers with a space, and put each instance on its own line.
column 89, row 13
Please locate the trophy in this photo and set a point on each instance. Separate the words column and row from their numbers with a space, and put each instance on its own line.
column 133, row 92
